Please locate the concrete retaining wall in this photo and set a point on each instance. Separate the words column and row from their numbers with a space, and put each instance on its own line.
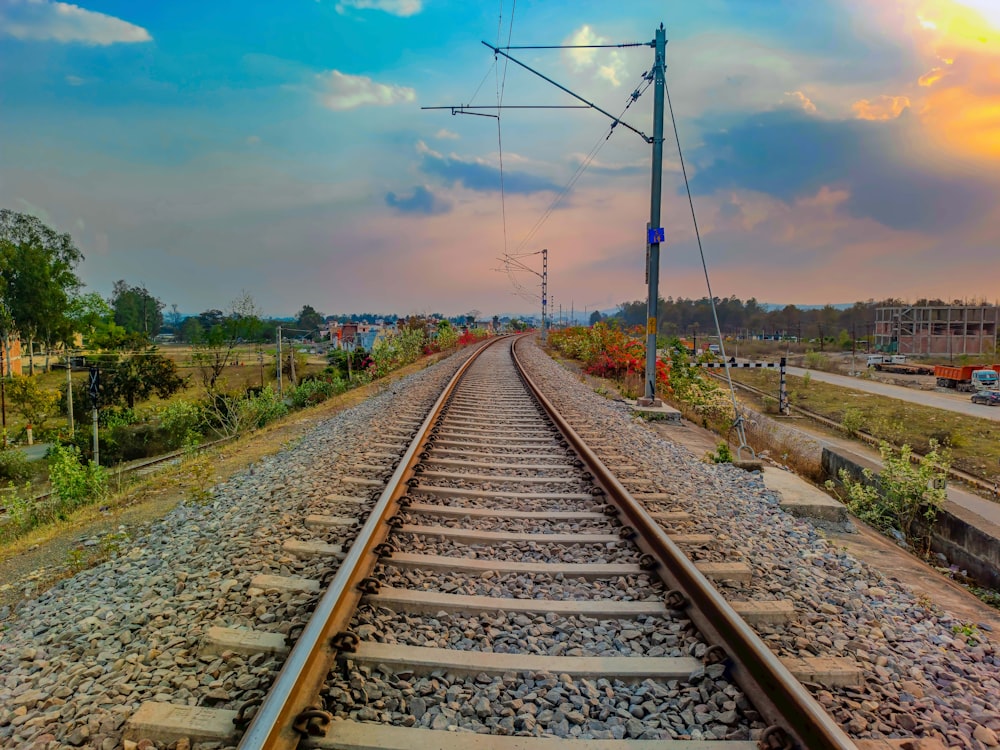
column 975, row 550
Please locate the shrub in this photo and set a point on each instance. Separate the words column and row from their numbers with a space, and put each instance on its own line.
column 852, row 421
column 14, row 467
column 611, row 353
column 315, row 391
column 722, row 455
column 182, row 423
column 73, row 483
column 817, row 361
column 236, row 414
column 904, row 496
column 31, row 400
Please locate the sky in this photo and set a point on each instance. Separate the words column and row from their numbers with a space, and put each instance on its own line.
column 836, row 150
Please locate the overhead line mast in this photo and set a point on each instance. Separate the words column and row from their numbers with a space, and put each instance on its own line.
column 654, row 232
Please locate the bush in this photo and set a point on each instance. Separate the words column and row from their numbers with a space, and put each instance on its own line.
column 852, row 421
column 904, row 496
column 14, row 467
column 722, row 455
column 315, row 391
column 235, row 414
column 817, row 361
column 73, row 483
column 183, row 423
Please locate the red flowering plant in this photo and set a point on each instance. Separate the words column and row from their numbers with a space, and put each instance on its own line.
column 610, row 352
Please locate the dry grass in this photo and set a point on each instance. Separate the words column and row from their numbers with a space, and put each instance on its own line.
column 247, row 373
column 973, row 441
column 48, row 554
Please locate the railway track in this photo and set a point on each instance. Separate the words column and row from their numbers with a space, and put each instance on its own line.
column 507, row 584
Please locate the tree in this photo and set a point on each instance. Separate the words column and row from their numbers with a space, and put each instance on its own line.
column 308, row 319
column 596, row 317
column 38, row 271
column 28, row 398
column 137, row 376
column 90, row 315
column 191, row 330
column 136, row 310
column 216, row 349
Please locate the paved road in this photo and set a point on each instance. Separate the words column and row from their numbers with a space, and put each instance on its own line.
column 956, row 402
column 34, row 452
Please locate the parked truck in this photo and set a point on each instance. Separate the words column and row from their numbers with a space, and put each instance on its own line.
column 968, row 378
column 897, row 364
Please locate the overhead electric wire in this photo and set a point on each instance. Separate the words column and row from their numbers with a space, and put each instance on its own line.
column 633, row 97
column 501, row 84
column 738, row 422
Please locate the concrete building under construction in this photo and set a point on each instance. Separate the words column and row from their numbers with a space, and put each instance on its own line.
column 937, row 330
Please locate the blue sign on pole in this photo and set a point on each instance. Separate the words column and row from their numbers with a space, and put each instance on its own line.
column 655, row 236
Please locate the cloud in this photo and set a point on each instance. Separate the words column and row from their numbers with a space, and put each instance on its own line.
column 478, row 175
column 802, row 100
column 445, row 134
column 931, row 77
column 640, row 166
column 790, row 155
column 252, row 140
column 41, row 20
column 343, row 91
column 403, row 8
column 883, row 108
column 74, row 80
column 605, row 64
column 423, row 201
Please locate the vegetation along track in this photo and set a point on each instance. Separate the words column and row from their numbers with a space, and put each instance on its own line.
column 963, row 476
column 498, row 511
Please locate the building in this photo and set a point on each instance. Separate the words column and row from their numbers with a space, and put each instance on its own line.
column 14, row 357
column 937, row 330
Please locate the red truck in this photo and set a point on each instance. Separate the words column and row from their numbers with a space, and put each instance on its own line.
column 968, row 377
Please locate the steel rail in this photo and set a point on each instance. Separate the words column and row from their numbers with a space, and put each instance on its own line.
column 781, row 699
column 298, row 684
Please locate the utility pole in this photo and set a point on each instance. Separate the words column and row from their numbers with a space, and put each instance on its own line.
column 278, row 360
column 655, row 234
column 545, row 293
column 95, row 394
column 3, row 394
column 69, row 391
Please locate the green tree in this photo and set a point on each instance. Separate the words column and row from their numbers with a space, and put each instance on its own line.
column 596, row 317
column 30, row 400
column 90, row 315
column 215, row 351
column 137, row 376
column 308, row 319
column 191, row 330
column 38, row 269
column 136, row 310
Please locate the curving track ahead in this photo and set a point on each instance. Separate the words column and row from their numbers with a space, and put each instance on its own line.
column 498, row 513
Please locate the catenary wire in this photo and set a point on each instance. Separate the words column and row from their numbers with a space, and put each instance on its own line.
column 738, row 422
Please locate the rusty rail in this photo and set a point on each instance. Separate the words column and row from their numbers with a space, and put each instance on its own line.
column 299, row 682
column 770, row 687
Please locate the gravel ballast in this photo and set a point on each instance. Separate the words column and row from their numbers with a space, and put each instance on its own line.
column 78, row 660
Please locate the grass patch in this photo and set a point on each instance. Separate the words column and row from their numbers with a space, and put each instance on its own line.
column 973, row 441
